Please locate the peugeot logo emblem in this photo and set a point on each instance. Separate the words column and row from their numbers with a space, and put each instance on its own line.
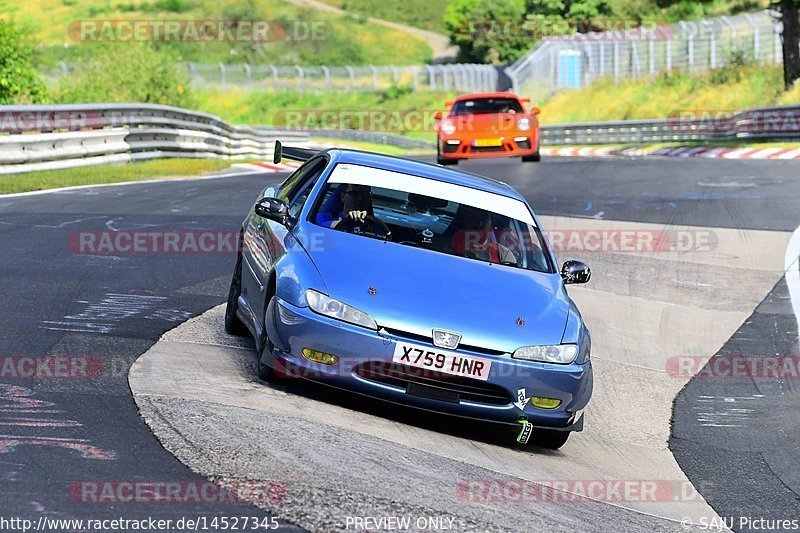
column 446, row 339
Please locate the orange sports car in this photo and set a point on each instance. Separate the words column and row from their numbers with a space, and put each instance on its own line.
column 487, row 125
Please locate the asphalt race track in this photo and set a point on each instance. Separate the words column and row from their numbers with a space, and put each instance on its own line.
column 60, row 434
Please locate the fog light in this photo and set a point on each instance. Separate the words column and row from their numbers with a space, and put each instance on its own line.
column 453, row 141
column 320, row 357
column 545, row 403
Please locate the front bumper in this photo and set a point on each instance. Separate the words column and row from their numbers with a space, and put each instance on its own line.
column 515, row 145
column 362, row 351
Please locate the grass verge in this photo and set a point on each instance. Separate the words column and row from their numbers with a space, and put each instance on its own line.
column 335, row 40
column 730, row 88
column 371, row 147
column 338, row 110
column 95, row 175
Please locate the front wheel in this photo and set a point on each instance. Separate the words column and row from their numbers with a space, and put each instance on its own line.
column 233, row 325
column 532, row 158
column 444, row 161
column 549, row 438
column 267, row 372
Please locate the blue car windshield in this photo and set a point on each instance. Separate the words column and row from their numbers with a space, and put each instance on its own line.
column 432, row 220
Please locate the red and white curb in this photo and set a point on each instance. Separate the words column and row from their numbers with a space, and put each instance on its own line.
column 269, row 168
column 678, row 151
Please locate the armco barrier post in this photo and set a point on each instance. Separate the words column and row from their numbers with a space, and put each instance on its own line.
column 274, row 70
column 302, row 82
column 374, row 78
column 327, row 72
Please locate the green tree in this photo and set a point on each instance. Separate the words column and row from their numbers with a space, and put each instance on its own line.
column 128, row 73
column 19, row 80
column 499, row 31
column 791, row 41
column 486, row 31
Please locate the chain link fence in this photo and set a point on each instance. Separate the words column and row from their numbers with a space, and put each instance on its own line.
column 220, row 76
column 576, row 61
column 554, row 64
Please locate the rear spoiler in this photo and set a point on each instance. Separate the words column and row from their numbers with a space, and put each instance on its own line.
column 291, row 152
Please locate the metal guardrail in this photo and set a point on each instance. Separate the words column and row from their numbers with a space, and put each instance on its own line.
column 765, row 123
column 45, row 137
column 54, row 137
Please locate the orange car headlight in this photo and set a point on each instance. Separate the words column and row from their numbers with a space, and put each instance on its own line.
column 524, row 124
column 448, row 127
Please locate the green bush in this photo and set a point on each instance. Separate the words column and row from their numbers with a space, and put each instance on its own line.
column 19, row 81
column 130, row 73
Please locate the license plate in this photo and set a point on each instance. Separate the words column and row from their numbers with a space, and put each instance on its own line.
column 482, row 143
column 440, row 361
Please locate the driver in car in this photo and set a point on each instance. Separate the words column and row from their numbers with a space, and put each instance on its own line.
column 475, row 237
column 356, row 212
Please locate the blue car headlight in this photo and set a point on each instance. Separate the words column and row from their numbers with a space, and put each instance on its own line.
column 562, row 354
column 330, row 307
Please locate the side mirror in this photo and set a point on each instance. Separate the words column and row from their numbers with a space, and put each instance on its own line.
column 274, row 209
column 438, row 115
column 535, row 111
column 575, row 273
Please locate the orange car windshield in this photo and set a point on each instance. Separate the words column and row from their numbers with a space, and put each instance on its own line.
column 486, row 106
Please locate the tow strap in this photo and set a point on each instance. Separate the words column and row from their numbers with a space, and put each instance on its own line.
column 525, row 431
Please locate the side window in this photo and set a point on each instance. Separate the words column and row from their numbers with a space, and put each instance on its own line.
column 304, row 186
column 293, row 182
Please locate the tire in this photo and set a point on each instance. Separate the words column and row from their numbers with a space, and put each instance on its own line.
column 444, row 161
column 234, row 325
column 267, row 372
column 532, row 158
column 549, row 438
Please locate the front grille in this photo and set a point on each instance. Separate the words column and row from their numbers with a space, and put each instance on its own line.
column 427, row 339
column 524, row 145
column 487, row 149
column 430, row 384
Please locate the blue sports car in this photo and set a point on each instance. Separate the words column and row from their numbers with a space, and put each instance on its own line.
column 416, row 284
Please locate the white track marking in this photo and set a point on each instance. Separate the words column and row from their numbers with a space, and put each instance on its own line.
column 82, row 187
column 792, row 269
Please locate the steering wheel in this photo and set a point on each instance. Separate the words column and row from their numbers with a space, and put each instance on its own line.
column 348, row 225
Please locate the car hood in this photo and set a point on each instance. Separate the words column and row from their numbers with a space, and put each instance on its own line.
column 488, row 122
column 415, row 290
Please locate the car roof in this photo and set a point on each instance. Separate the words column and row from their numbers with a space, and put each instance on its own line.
column 424, row 170
column 486, row 95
